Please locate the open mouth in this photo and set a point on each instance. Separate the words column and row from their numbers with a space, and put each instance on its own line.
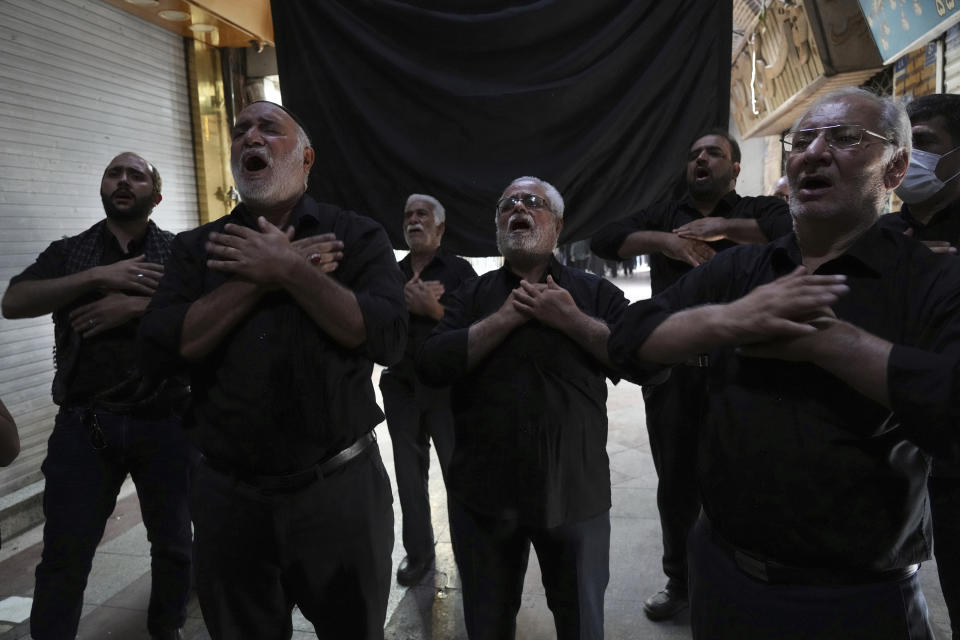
column 122, row 197
column 519, row 223
column 701, row 172
column 813, row 183
column 253, row 163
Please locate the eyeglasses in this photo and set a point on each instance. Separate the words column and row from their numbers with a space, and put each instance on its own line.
column 529, row 200
column 840, row 137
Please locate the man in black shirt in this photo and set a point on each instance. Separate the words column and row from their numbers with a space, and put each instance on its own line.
column 931, row 213
column 834, row 358
column 679, row 235
column 415, row 412
column 525, row 350
column 279, row 310
column 97, row 285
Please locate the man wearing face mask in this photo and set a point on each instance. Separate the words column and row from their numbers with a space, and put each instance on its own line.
column 97, row 285
column 931, row 213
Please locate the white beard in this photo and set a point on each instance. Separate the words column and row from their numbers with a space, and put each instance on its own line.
column 284, row 182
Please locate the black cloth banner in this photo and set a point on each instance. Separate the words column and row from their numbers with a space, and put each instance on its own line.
column 599, row 97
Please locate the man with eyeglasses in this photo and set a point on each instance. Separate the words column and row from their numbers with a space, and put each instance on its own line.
column 834, row 360
column 680, row 235
column 415, row 412
column 525, row 350
column 931, row 213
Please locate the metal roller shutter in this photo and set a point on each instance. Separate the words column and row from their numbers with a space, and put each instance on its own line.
column 951, row 60
column 82, row 81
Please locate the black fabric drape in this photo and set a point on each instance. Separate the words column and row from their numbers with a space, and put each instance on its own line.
column 600, row 97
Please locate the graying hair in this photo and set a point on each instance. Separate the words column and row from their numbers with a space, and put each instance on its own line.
column 553, row 196
column 439, row 213
column 894, row 123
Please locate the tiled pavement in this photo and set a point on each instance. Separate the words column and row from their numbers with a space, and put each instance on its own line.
column 116, row 597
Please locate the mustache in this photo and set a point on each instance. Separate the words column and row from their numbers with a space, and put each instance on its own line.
column 416, row 226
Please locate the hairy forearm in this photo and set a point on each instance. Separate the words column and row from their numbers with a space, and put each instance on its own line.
column 333, row 307
column 484, row 336
column 210, row 318
column 32, row 298
column 686, row 334
column 856, row 357
column 744, row 231
column 589, row 333
column 641, row 243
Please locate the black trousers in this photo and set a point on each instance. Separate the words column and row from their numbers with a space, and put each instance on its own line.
column 726, row 604
column 674, row 411
column 412, row 424
column 81, row 491
column 325, row 548
column 945, row 507
column 492, row 560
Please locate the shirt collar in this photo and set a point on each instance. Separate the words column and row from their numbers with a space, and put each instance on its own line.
column 726, row 203
column 554, row 268
column 868, row 252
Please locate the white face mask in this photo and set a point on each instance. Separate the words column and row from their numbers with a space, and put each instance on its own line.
column 921, row 183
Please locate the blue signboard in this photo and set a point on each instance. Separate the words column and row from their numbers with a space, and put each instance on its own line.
column 899, row 26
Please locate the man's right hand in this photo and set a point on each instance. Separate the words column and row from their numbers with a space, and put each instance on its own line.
column 324, row 251
column 688, row 250
column 135, row 275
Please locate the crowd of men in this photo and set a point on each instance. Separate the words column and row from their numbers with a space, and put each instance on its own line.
column 798, row 360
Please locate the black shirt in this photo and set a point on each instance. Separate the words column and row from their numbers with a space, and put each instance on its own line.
column 110, row 357
column 771, row 214
column 794, row 464
column 944, row 225
column 450, row 270
column 530, row 418
column 278, row 394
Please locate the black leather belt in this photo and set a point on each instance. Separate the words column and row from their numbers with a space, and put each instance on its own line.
column 298, row 479
column 773, row 572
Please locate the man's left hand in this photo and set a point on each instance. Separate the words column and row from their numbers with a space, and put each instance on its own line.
column 803, row 348
column 265, row 257
column 112, row 310
column 549, row 303
column 709, row 229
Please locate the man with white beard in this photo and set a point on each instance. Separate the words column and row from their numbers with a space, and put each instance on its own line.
column 279, row 310
column 525, row 350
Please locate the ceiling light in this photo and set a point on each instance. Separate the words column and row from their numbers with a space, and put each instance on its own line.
column 176, row 16
column 202, row 28
column 144, row 3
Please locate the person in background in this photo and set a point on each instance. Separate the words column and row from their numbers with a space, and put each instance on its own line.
column 97, row 285
column 415, row 412
column 679, row 235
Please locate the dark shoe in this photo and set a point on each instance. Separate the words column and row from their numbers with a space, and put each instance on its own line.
column 665, row 604
column 167, row 635
column 412, row 570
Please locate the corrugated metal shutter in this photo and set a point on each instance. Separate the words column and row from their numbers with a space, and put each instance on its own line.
column 82, row 81
column 951, row 60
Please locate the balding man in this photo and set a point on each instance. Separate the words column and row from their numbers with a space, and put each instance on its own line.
column 97, row 285
column 279, row 310
column 415, row 412
column 525, row 350
column 834, row 359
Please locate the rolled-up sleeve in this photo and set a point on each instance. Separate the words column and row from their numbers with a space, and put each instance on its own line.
column 442, row 357
column 377, row 283
column 607, row 241
column 162, row 324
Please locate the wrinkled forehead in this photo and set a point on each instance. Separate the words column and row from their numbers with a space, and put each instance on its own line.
column 264, row 113
column 845, row 110
column 711, row 141
column 417, row 203
column 128, row 161
column 524, row 186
